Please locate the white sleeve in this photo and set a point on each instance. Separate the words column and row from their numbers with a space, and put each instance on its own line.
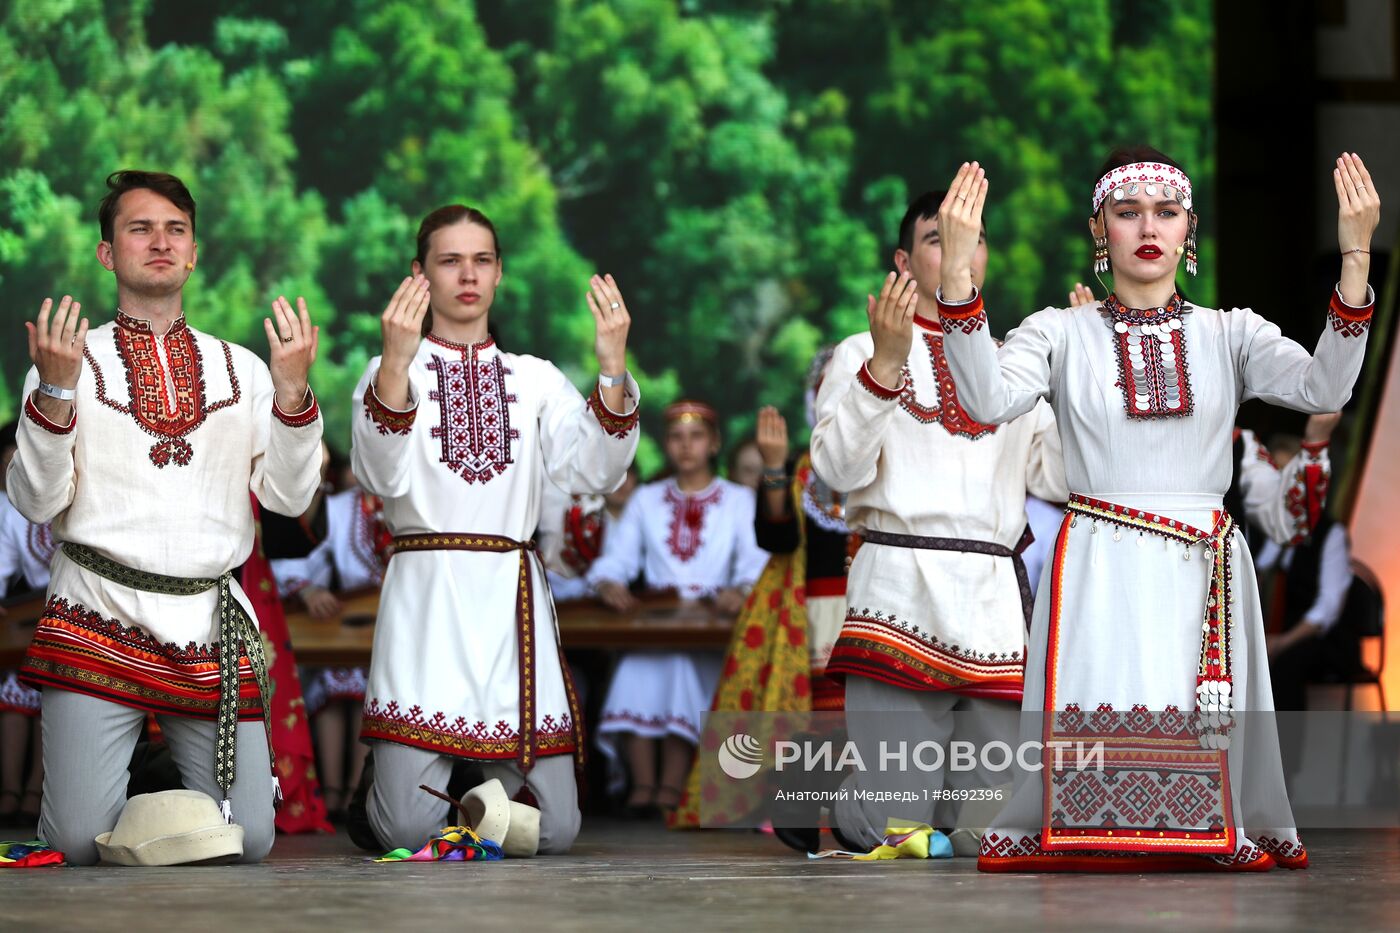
column 1279, row 371
column 1045, row 473
column 587, row 447
column 1333, row 580
column 379, row 438
column 42, row 479
column 286, row 451
column 749, row 559
column 1285, row 504
column 623, row 547
column 853, row 413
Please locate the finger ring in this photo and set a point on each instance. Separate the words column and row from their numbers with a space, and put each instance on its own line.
column 1360, row 187
column 961, row 198
column 288, row 339
column 616, row 305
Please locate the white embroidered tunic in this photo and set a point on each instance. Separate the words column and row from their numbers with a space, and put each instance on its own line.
column 468, row 459
column 170, row 433
column 1140, row 614
column 914, row 463
column 697, row 544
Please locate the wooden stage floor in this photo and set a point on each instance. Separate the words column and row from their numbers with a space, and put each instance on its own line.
column 631, row 876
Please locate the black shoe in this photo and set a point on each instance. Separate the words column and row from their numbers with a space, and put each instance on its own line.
column 357, row 815
column 846, row 844
column 807, row 839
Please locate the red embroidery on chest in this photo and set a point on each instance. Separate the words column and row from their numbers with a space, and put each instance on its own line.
column 166, row 398
column 948, row 412
column 1151, row 348
column 583, row 537
column 475, row 414
column 688, row 520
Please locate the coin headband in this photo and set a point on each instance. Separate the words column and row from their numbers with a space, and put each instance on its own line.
column 1152, row 178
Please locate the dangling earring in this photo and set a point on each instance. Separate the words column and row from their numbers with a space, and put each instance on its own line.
column 1101, row 254
column 1191, row 246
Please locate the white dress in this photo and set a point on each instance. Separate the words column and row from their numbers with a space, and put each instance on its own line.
column 914, row 463
column 466, row 461
column 348, row 557
column 1148, row 626
column 695, row 543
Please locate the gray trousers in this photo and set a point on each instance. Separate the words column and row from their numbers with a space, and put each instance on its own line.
column 876, row 713
column 405, row 817
column 87, row 749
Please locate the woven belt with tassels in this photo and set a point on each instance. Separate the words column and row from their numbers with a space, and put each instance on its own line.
column 235, row 627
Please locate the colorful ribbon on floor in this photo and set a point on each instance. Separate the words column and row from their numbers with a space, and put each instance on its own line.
column 452, row 844
column 32, row 854
column 902, row 840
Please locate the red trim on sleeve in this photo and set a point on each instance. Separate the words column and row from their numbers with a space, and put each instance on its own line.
column 1315, row 449
column 869, row 383
column 386, row 419
column 1348, row 321
column 617, row 425
column 38, row 417
column 968, row 318
column 300, row 419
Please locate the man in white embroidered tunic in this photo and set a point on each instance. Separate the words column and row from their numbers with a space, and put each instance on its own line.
column 140, row 441
column 1150, row 640
column 938, row 600
column 455, row 436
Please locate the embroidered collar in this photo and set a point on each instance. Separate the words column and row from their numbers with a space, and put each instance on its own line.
column 472, row 348
column 929, row 324
column 143, row 326
column 1121, row 318
column 674, row 487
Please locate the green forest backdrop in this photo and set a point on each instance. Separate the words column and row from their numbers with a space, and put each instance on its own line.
column 739, row 167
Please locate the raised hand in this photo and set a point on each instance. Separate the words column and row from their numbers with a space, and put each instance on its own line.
column 772, row 438
column 729, row 600
column 1358, row 213
column 1080, row 295
column 611, row 320
column 320, row 602
column 293, row 349
column 892, row 327
column 56, row 346
column 401, row 327
column 1320, row 427
column 960, row 229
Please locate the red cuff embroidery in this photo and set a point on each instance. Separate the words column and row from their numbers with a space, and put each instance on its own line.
column 1315, row 449
column 35, row 415
column 1347, row 321
column 617, row 425
column 968, row 318
column 301, row 419
column 870, row 385
column 386, row 419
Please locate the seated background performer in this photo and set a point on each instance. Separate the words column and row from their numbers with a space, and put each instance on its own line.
column 456, row 436
column 782, row 641
column 572, row 531
column 691, row 532
column 937, row 598
column 349, row 556
column 140, row 441
column 1314, row 575
column 25, row 551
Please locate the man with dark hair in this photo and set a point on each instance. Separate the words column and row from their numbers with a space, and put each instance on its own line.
column 140, row 442
column 938, row 599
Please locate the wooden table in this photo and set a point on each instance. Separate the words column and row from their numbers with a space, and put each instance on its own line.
column 346, row 639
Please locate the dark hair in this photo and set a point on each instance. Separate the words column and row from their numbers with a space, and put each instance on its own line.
column 923, row 207
column 8, row 433
column 446, row 216
column 119, row 183
column 1128, row 155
